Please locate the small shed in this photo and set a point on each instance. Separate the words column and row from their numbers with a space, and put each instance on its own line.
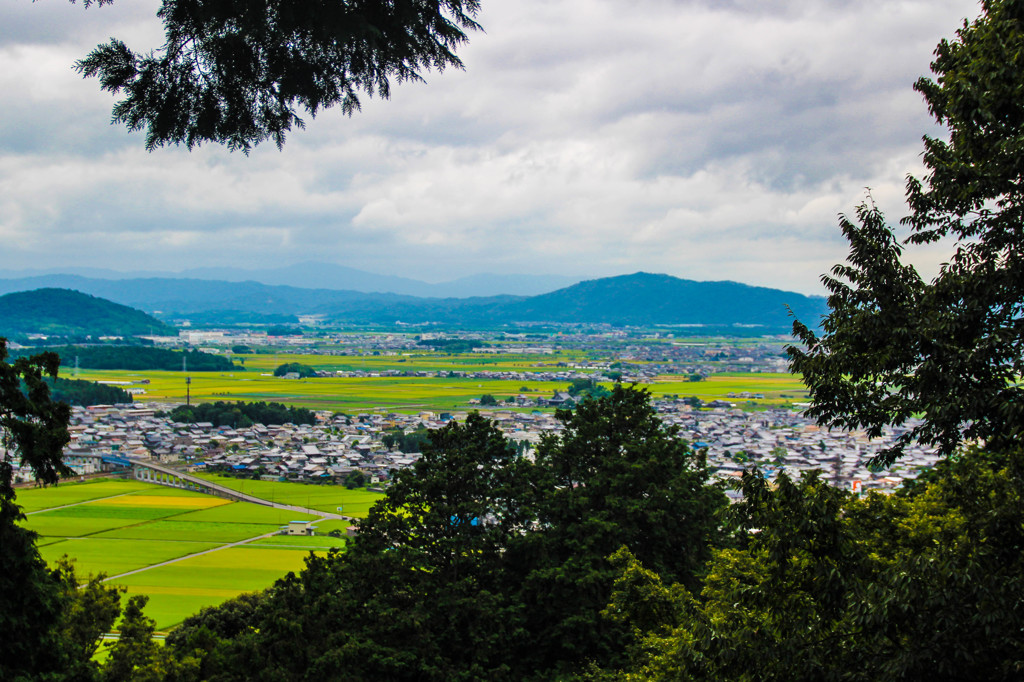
column 299, row 528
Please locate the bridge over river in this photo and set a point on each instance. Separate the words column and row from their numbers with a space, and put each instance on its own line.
column 163, row 475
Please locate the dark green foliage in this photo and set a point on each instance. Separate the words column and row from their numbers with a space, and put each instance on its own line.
column 142, row 358
column 452, row 345
column 34, row 429
column 488, row 399
column 586, row 388
column 616, row 477
column 828, row 587
column 951, row 349
column 241, row 415
column 49, row 628
column 136, row 657
column 355, row 479
column 304, row 371
column 78, row 392
column 64, row 312
column 239, row 74
column 30, row 603
column 241, row 349
column 406, row 442
column 32, row 426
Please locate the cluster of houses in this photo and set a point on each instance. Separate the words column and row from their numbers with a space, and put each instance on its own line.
column 337, row 447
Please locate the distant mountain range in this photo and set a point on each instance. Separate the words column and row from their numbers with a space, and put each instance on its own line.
column 70, row 313
column 640, row 299
column 313, row 275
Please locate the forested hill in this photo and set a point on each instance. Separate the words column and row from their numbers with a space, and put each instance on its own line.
column 643, row 299
column 64, row 312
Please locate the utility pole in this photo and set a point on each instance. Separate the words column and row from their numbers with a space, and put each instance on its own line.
column 188, row 381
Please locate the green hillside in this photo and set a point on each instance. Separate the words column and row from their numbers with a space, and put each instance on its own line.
column 63, row 312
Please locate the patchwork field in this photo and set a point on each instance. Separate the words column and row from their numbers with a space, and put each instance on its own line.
column 411, row 394
column 129, row 530
column 341, row 394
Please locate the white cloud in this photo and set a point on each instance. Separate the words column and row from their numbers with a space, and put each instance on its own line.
column 711, row 140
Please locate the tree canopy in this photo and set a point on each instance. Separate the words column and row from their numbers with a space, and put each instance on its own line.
column 142, row 357
column 239, row 74
column 49, row 627
column 304, row 371
column 242, row 414
column 951, row 350
column 822, row 585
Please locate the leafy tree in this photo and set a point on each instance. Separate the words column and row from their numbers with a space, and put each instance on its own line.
column 417, row 595
column 355, row 479
column 582, row 388
column 488, row 399
column 917, row 585
column 950, row 350
column 136, row 657
column 406, row 442
column 304, row 371
column 242, row 74
column 33, row 429
column 89, row 611
column 49, row 627
column 616, row 476
column 241, row 414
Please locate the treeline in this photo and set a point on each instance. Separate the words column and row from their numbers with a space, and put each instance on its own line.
column 78, row 392
column 452, row 345
column 304, row 371
column 140, row 358
column 242, row 415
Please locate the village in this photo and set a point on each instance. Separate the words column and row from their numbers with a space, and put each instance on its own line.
column 354, row 449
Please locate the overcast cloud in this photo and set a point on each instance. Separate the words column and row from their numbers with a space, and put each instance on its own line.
column 707, row 140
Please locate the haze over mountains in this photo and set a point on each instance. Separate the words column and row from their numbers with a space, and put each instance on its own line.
column 640, row 299
column 314, row 275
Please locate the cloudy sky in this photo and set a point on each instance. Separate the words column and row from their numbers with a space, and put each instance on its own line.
column 707, row 139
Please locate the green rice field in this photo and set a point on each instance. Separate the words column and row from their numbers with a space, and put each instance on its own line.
column 340, row 394
column 116, row 527
column 778, row 389
column 326, row 498
column 411, row 394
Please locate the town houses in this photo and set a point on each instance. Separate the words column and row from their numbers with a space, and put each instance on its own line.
column 337, row 446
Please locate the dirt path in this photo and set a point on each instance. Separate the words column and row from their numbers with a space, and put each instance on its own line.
column 189, row 556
